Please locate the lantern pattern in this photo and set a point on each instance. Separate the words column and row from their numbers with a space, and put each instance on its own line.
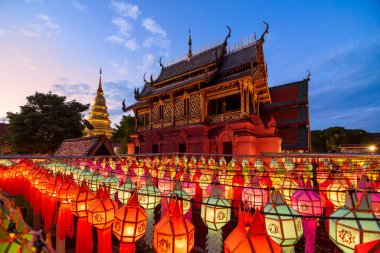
column 353, row 224
column 173, row 233
column 285, row 229
column 130, row 223
column 254, row 196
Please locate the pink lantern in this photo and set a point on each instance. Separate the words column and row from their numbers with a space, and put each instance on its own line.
column 255, row 196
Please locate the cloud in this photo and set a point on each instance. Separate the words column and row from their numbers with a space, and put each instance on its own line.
column 80, row 7
column 130, row 44
column 153, row 27
column 124, row 27
column 125, row 9
column 34, row 1
column 45, row 26
column 158, row 35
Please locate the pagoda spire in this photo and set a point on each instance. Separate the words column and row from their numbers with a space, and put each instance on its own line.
column 100, row 88
column 190, row 54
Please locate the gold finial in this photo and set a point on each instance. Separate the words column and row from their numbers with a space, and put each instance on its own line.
column 100, row 89
column 190, row 54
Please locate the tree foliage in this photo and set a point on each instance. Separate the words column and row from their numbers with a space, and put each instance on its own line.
column 44, row 122
column 328, row 140
column 121, row 132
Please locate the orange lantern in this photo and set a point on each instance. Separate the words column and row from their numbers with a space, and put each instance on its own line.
column 101, row 214
column 79, row 206
column 173, row 233
column 129, row 224
column 256, row 239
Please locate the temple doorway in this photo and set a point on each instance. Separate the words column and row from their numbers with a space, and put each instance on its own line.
column 182, row 148
column 155, row 148
column 227, row 150
column 137, row 150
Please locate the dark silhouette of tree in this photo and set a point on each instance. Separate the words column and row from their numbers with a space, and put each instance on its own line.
column 44, row 122
column 121, row 132
column 329, row 140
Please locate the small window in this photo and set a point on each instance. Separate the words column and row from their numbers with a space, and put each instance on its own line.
column 186, row 109
column 161, row 112
column 155, row 148
column 137, row 150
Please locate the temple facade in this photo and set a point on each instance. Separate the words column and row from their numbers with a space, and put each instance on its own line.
column 98, row 116
column 210, row 102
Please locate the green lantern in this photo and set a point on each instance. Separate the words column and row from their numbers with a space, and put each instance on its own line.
column 112, row 182
column 95, row 181
column 354, row 223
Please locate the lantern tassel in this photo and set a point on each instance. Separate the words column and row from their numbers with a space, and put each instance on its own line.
column 214, row 242
column 127, row 248
column 50, row 212
column 84, row 236
column 104, row 240
column 65, row 222
column 309, row 230
column 149, row 227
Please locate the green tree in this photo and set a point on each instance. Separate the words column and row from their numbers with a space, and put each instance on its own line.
column 44, row 122
column 121, row 132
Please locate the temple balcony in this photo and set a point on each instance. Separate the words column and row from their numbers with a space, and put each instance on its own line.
column 228, row 116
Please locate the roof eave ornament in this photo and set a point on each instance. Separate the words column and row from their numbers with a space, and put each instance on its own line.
column 144, row 78
column 228, row 35
column 265, row 32
column 137, row 93
column 161, row 65
column 308, row 76
column 124, row 108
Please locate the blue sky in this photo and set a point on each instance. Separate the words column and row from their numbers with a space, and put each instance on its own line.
column 54, row 45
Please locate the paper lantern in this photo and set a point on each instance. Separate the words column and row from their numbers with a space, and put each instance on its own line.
column 129, row 224
column 205, row 180
column 288, row 187
column 101, row 214
column 85, row 175
column 95, row 181
column 77, row 171
column 282, row 222
column 259, row 166
column 182, row 196
column 255, row 239
column 112, row 182
column 308, row 204
column 125, row 191
column 165, row 184
column 173, row 233
column 80, row 203
column 288, row 165
column 215, row 213
column 336, row 193
column 353, row 224
column 255, row 196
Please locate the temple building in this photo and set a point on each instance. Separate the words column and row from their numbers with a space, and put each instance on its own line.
column 218, row 101
column 98, row 117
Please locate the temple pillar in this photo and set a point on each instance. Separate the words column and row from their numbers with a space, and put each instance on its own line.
column 242, row 98
column 203, row 105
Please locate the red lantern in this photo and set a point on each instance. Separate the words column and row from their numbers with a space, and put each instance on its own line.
column 129, row 224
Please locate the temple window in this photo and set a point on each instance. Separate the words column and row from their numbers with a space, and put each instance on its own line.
column 155, row 148
column 186, row 109
column 161, row 112
column 182, row 147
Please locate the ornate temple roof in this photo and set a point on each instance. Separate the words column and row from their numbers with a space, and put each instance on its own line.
column 209, row 67
column 88, row 146
column 98, row 116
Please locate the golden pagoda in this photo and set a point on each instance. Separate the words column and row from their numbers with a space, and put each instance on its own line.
column 98, row 117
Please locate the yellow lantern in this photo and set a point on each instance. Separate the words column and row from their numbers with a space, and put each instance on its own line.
column 336, row 193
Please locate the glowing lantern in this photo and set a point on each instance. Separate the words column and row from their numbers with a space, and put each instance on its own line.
column 85, row 175
column 95, row 181
column 165, row 184
column 80, row 203
column 256, row 239
column 205, row 180
column 182, row 195
column 77, row 171
column 112, row 182
column 308, row 203
column 149, row 197
column 189, row 187
column 173, row 233
column 255, row 196
column 259, row 166
column 288, row 187
column 373, row 195
column 101, row 214
column 281, row 222
column 215, row 213
column 225, row 179
column 336, row 193
column 129, row 224
column 288, row 165
column 125, row 191
column 212, row 164
column 353, row 224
